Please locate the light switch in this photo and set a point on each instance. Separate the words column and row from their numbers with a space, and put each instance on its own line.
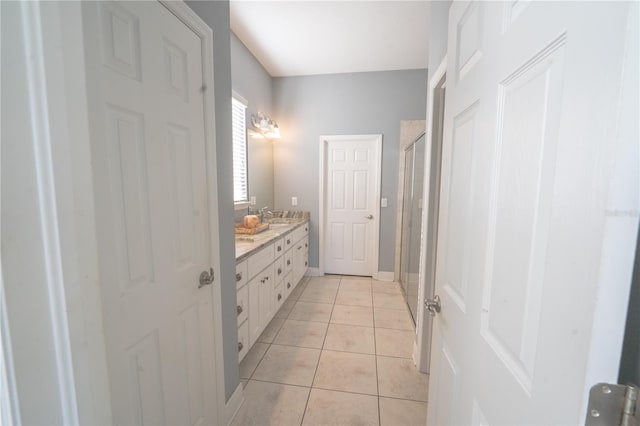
column 383, row 202
column 294, row 201
column 253, row 200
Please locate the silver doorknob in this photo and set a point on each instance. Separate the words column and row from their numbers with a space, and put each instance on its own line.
column 206, row 278
column 433, row 305
column 369, row 217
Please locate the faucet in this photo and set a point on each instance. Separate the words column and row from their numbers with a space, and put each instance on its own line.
column 264, row 210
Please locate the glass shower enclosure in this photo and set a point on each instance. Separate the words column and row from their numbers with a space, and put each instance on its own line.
column 412, row 221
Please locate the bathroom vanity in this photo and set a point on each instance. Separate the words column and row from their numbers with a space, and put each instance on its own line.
column 269, row 266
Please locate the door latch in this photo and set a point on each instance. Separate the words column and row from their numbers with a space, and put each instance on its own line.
column 433, row 305
column 206, row 278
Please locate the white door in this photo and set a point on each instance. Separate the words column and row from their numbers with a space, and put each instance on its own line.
column 530, row 134
column 351, row 196
column 145, row 79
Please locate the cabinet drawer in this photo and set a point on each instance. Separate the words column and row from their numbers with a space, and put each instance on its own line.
column 279, row 270
column 243, row 340
column 260, row 260
column 278, row 246
column 299, row 233
column 278, row 297
column 288, row 261
column 241, row 274
column 242, row 307
column 288, row 240
column 287, row 285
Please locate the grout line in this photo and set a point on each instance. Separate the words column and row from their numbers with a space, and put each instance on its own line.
column 375, row 346
column 317, row 365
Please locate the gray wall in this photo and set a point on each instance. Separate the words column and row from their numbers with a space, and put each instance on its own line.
column 250, row 80
column 438, row 24
column 216, row 15
column 358, row 103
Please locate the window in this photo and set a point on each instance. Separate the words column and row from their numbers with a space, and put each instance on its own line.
column 238, row 112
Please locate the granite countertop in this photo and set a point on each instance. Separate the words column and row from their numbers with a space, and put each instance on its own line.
column 278, row 227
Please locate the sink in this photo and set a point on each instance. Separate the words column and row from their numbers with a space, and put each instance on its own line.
column 278, row 225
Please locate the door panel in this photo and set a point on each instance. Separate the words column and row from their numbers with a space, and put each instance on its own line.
column 351, row 170
column 148, row 149
column 527, row 132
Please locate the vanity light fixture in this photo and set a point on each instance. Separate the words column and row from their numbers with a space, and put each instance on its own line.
column 264, row 126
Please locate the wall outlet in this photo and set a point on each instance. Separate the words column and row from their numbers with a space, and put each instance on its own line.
column 253, row 200
column 294, row 201
column 383, row 202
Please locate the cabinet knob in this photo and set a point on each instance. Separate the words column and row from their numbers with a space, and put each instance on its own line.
column 288, row 241
column 279, row 271
column 305, row 263
column 306, row 229
column 288, row 285
column 306, row 245
column 239, row 309
column 238, row 276
column 279, row 248
column 288, row 262
column 240, row 346
column 279, row 297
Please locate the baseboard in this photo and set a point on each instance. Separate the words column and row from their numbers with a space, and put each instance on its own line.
column 385, row 276
column 233, row 405
column 314, row 272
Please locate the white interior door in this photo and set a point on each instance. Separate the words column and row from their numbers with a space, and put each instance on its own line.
column 145, row 79
column 531, row 135
column 352, row 187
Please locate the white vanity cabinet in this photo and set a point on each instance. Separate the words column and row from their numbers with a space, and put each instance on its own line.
column 265, row 279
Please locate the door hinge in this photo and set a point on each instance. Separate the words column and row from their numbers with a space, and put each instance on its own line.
column 611, row 404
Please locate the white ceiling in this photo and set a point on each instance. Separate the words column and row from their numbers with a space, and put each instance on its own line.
column 323, row 37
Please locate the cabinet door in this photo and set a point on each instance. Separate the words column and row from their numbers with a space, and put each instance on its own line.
column 298, row 261
column 267, row 304
column 255, row 323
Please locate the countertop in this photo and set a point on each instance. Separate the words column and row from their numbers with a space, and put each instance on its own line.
column 248, row 244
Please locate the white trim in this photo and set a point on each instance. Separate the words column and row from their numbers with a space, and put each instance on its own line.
column 232, row 406
column 422, row 349
column 42, row 143
column 313, row 272
column 241, row 205
column 377, row 140
column 239, row 97
column 386, row 276
column 198, row 26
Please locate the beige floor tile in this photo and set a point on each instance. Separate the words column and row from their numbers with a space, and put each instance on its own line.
column 288, row 364
column 393, row 318
column 352, row 315
column 398, row 343
column 308, row 311
column 306, row 334
column 318, row 294
column 328, row 281
column 394, row 412
column 272, row 404
column 355, row 283
column 327, row 407
column 350, row 338
column 345, row 371
column 354, row 298
column 252, row 359
column 385, row 287
column 399, row 378
column 389, row 301
column 271, row 330
column 285, row 309
column 297, row 291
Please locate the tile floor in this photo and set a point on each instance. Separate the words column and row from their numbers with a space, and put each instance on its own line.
column 337, row 353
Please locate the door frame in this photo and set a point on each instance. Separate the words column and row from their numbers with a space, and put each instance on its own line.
column 376, row 140
column 424, row 323
column 72, row 307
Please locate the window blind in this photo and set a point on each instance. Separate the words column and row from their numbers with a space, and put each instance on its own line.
column 240, row 183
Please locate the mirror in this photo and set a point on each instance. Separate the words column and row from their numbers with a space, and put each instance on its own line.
column 260, row 171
